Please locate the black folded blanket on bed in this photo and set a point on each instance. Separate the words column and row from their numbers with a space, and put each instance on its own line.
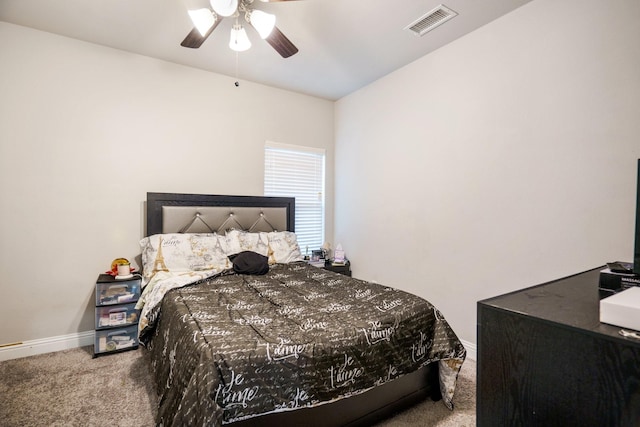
column 248, row 262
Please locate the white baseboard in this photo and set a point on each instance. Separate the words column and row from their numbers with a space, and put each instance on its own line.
column 46, row 345
column 471, row 350
column 81, row 339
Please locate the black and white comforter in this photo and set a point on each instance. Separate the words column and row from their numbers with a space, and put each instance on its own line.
column 232, row 347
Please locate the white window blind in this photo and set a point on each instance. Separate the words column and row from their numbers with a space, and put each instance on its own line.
column 295, row 171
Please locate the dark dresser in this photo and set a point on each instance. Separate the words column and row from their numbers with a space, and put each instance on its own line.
column 544, row 359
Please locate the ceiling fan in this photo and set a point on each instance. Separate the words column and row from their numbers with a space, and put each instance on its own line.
column 206, row 20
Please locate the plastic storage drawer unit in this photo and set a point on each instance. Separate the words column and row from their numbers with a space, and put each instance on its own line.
column 116, row 314
column 119, row 315
column 108, row 340
column 116, row 292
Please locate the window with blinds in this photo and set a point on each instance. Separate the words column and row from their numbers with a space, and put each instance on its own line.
column 295, row 171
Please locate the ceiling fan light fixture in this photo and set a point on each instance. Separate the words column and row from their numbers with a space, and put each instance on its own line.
column 239, row 40
column 224, row 7
column 263, row 22
column 202, row 19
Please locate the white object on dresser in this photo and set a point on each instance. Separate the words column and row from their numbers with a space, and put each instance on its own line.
column 622, row 309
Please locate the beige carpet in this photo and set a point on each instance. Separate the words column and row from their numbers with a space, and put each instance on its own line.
column 70, row 388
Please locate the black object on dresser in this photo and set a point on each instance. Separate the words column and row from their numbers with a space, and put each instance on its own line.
column 116, row 315
column 544, row 359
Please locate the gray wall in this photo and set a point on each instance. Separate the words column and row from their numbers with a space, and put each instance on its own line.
column 85, row 132
column 500, row 161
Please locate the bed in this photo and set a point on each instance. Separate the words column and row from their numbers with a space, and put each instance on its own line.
column 297, row 345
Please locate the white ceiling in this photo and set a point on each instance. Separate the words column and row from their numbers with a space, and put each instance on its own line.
column 344, row 44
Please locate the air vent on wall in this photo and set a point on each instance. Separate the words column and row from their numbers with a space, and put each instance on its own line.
column 431, row 20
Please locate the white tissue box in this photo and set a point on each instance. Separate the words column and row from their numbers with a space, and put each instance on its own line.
column 622, row 309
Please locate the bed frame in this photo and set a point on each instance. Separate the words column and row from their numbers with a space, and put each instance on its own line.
column 197, row 213
column 171, row 212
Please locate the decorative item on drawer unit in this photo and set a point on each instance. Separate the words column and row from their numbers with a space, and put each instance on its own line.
column 116, row 315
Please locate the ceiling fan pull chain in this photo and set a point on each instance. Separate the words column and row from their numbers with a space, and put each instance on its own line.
column 237, row 83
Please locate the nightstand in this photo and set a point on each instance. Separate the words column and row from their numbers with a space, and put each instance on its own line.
column 342, row 268
column 116, row 314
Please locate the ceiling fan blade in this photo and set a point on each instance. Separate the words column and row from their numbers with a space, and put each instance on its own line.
column 281, row 43
column 194, row 39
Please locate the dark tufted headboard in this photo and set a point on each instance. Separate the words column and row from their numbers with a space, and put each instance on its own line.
column 198, row 213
